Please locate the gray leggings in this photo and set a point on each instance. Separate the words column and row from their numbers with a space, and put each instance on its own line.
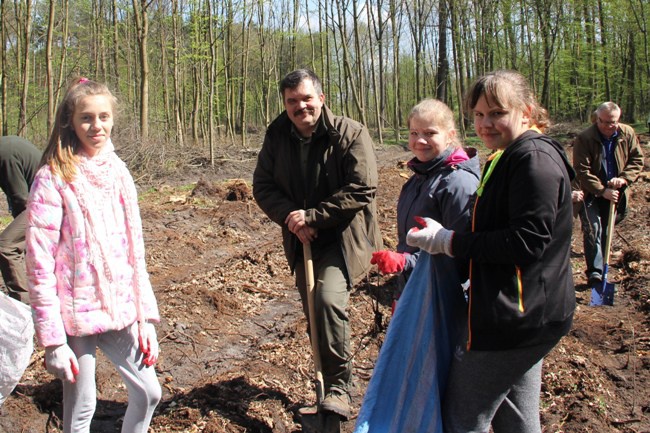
column 500, row 388
column 80, row 398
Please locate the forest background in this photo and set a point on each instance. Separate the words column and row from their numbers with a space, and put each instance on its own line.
column 197, row 74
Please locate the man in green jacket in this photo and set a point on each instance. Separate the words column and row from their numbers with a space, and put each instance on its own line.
column 316, row 177
column 607, row 158
column 19, row 161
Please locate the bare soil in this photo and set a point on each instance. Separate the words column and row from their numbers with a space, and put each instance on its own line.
column 234, row 350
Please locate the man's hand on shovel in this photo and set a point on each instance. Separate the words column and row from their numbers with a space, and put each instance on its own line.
column 296, row 224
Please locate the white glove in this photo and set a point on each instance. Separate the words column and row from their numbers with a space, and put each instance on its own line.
column 61, row 362
column 148, row 343
column 433, row 238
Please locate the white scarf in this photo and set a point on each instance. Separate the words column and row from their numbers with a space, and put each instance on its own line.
column 98, row 181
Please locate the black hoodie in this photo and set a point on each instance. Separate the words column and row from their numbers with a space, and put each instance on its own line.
column 521, row 286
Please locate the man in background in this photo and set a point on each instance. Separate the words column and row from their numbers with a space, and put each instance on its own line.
column 316, row 177
column 607, row 158
column 19, row 161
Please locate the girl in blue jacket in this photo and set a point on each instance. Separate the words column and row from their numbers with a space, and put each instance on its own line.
column 445, row 175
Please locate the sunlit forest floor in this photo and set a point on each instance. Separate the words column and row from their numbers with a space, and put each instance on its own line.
column 235, row 355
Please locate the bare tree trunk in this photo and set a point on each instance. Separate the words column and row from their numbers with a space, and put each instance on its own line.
column 346, row 62
column 528, row 26
column 605, row 50
column 165, row 75
column 642, row 22
column 27, row 29
column 244, row 73
column 3, row 71
column 294, row 34
column 380, row 31
column 212, row 82
column 116, row 63
column 509, row 27
column 547, row 12
column 142, row 27
column 442, row 74
column 48, row 61
column 396, row 68
column 324, row 26
column 375, row 85
column 64, row 51
column 359, row 62
column 311, row 35
column 228, row 58
column 590, row 35
column 99, row 45
column 266, row 62
column 178, row 97
column 459, row 62
column 418, row 18
column 196, row 105
column 629, row 90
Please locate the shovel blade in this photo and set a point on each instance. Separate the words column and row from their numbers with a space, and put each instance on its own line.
column 321, row 423
column 602, row 295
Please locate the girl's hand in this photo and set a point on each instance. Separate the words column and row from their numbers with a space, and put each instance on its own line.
column 433, row 238
column 62, row 362
column 148, row 343
column 389, row 262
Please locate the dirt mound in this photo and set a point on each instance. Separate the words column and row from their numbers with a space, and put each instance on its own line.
column 233, row 190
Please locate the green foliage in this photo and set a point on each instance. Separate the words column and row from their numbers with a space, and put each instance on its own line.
column 588, row 60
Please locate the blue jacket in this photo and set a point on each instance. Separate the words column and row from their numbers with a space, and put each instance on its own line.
column 437, row 190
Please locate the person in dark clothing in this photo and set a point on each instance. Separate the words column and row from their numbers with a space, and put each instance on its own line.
column 607, row 157
column 316, row 177
column 19, row 161
column 521, row 294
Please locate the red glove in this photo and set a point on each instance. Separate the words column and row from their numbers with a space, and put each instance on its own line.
column 388, row 262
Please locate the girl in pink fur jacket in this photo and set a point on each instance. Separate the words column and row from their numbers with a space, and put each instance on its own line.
column 88, row 283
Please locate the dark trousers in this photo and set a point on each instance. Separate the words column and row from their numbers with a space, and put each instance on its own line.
column 593, row 219
column 12, row 258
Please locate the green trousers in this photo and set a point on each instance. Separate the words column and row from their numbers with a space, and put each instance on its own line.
column 331, row 295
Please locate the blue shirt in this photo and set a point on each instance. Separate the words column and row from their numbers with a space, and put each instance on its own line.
column 609, row 144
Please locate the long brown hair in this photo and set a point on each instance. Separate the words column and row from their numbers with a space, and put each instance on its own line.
column 508, row 89
column 60, row 153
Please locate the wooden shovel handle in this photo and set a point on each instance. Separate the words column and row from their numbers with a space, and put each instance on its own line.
column 610, row 231
column 313, row 331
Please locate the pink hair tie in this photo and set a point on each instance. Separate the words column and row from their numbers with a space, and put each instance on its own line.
column 83, row 80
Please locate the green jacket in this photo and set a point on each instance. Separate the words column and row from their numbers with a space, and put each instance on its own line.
column 338, row 194
column 19, row 161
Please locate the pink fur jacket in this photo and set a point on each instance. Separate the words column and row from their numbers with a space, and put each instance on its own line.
column 85, row 253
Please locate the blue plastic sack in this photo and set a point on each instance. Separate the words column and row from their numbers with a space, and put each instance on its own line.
column 411, row 372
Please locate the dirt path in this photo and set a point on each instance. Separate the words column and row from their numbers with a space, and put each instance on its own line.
column 235, row 355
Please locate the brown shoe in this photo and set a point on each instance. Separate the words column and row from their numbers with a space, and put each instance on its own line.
column 337, row 402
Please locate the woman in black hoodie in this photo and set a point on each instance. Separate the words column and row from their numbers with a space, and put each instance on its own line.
column 521, row 295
